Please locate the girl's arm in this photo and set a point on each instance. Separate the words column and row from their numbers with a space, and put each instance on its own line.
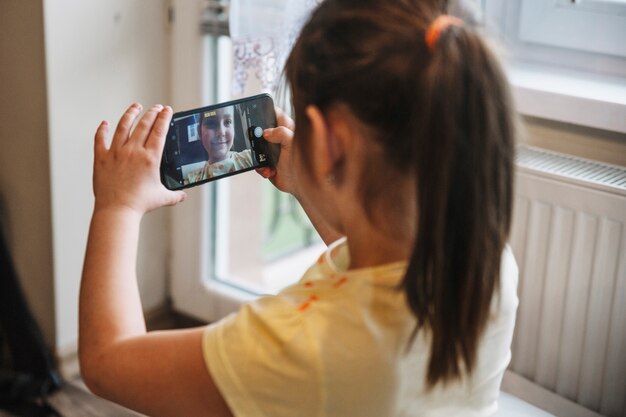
column 282, row 175
column 157, row 373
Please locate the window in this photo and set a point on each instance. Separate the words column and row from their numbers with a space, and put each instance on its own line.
column 593, row 26
column 565, row 58
column 239, row 237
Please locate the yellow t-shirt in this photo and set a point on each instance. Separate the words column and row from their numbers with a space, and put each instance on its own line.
column 335, row 344
column 233, row 162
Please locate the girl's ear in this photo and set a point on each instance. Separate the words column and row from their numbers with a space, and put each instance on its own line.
column 327, row 145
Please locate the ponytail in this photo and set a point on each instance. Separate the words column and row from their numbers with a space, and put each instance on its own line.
column 464, row 187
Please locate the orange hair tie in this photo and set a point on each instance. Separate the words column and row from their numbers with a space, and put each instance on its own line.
column 438, row 25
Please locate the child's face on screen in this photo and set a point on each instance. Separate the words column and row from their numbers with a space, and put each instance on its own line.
column 218, row 132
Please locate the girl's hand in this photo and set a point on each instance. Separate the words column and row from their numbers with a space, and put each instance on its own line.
column 126, row 175
column 282, row 174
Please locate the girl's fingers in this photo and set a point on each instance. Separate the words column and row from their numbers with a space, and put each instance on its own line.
column 281, row 135
column 266, row 172
column 284, row 120
column 99, row 144
column 142, row 130
column 124, row 125
column 156, row 139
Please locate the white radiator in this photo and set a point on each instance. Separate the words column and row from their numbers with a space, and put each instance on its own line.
column 569, row 239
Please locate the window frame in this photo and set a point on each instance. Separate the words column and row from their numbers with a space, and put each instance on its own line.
column 190, row 235
column 558, row 23
column 557, row 83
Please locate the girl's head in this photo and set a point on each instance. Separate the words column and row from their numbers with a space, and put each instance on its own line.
column 217, row 131
column 440, row 116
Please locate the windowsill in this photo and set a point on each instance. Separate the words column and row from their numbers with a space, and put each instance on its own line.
column 569, row 96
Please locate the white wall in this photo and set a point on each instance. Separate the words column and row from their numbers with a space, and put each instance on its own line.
column 101, row 55
column 65, row 65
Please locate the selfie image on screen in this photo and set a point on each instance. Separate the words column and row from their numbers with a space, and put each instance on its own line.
column 214, row 142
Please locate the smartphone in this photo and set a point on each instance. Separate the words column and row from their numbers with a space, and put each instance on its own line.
column 218, row 141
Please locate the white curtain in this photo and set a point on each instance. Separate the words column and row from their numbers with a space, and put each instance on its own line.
column 262, row 34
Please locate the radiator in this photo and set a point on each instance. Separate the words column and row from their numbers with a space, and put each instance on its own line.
column 569, row 239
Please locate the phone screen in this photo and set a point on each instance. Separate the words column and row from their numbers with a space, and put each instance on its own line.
column 218, row 141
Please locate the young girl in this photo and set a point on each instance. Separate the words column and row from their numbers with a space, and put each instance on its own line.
column 217, row 133
column 402, row 155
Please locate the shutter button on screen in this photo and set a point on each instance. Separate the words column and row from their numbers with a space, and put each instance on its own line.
column 258, row 132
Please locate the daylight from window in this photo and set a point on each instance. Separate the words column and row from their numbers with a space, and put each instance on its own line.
column 261, row 239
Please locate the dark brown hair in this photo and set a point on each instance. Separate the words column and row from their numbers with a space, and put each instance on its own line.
column 443, row 115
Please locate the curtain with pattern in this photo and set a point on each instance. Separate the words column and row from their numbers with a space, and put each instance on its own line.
column 263, row 33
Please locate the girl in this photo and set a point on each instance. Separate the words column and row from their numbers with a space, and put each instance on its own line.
column 217, row 132
column 403, row 148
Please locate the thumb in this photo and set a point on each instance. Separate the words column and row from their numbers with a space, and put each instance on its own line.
column 279, row 135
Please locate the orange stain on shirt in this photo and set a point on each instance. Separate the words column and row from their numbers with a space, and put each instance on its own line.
column 304, row 306
column 341, row 281
column 308, row 284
